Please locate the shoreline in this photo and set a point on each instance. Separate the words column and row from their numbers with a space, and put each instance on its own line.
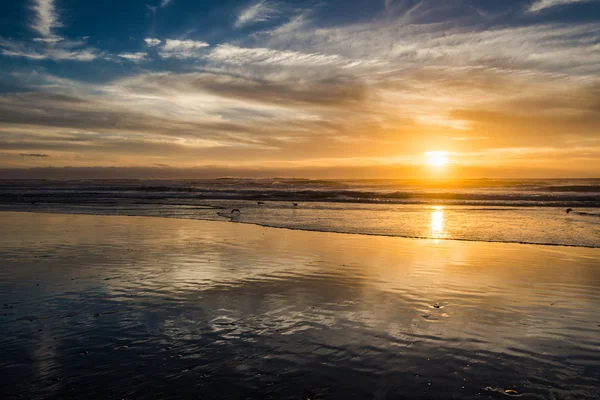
column 312, row 230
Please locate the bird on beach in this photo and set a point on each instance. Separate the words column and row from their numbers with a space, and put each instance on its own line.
column 295, row 204
column 233, row 215
column 260, row 203
column 570, row 210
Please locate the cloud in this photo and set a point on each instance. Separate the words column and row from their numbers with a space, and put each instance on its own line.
column 49, row 46
column 295, row 24
column 122, row 114
column 263, row 56
column 557, row 48
column 134, row 57
column 463, row 138
column 540, row 5
column 174, row 116
column 164, row 3
column 173, row 45
column 46, row 18
column 246, row 98
column 54, row 39
column 174, row 48
column 151, row 42
column 258, row 12
column 62, row 50
column 270, row 66
column 372, row 90
column 34, row 155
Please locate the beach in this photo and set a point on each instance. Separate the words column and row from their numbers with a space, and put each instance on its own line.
column 525, row 211
column 145, row 307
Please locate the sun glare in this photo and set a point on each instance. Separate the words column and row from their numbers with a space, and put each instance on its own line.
column 437, row 158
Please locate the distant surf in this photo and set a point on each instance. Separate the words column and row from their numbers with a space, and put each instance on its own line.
column 518, row 193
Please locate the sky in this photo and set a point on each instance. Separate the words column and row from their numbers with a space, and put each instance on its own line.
column 313, row 88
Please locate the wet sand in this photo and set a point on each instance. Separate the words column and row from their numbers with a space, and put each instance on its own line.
column 143, row 308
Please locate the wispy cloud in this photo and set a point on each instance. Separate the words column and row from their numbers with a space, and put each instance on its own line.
column 50, row 45
column 295, row 24
column 258, row 12
column 151, row 42
column 49, row 40
column 552, row 48
column 62, row 50
column 539, row 5
column 34, row 155
column 134, row 57
column 174, row 44
column 46, row 17
column 181, row 48
column 165, row 3
column 262, row 56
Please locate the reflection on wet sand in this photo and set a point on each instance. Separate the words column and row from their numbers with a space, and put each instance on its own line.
column 437, row 223
column 134, row 307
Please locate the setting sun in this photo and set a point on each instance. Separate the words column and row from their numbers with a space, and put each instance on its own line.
column 437, row 158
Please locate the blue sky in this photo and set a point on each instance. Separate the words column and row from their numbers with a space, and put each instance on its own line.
column 497, row 85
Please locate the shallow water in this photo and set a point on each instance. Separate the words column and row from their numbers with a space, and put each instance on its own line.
column 131, row 307
column 534, row 225
column 526, row 211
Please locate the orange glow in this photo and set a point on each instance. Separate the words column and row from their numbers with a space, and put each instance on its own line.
column 438, row 220
column 437, row 158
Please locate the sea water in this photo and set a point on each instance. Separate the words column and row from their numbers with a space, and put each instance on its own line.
column 519, row 211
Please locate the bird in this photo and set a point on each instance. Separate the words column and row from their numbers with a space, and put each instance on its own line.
column 260, row 203
column 587, row 214
column 233, row 215
column 295, row 204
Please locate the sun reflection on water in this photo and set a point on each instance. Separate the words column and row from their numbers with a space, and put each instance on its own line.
column 437, row 223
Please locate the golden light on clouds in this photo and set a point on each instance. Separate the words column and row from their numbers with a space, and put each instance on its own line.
column 309, row 94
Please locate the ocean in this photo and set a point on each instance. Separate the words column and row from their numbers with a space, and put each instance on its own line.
column 514, row 211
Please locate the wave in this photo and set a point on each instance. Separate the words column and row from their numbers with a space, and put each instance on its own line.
column 344, row 196
column 576, row 189
column 475, row 192
column 427, row 237
column 585, row 214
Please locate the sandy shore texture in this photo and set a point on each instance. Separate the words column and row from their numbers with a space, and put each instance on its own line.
column 144, row 308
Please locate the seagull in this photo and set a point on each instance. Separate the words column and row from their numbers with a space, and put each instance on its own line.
column 582, row 213
column 233, row 215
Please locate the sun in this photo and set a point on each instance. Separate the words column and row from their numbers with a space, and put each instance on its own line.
column 437, row 158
